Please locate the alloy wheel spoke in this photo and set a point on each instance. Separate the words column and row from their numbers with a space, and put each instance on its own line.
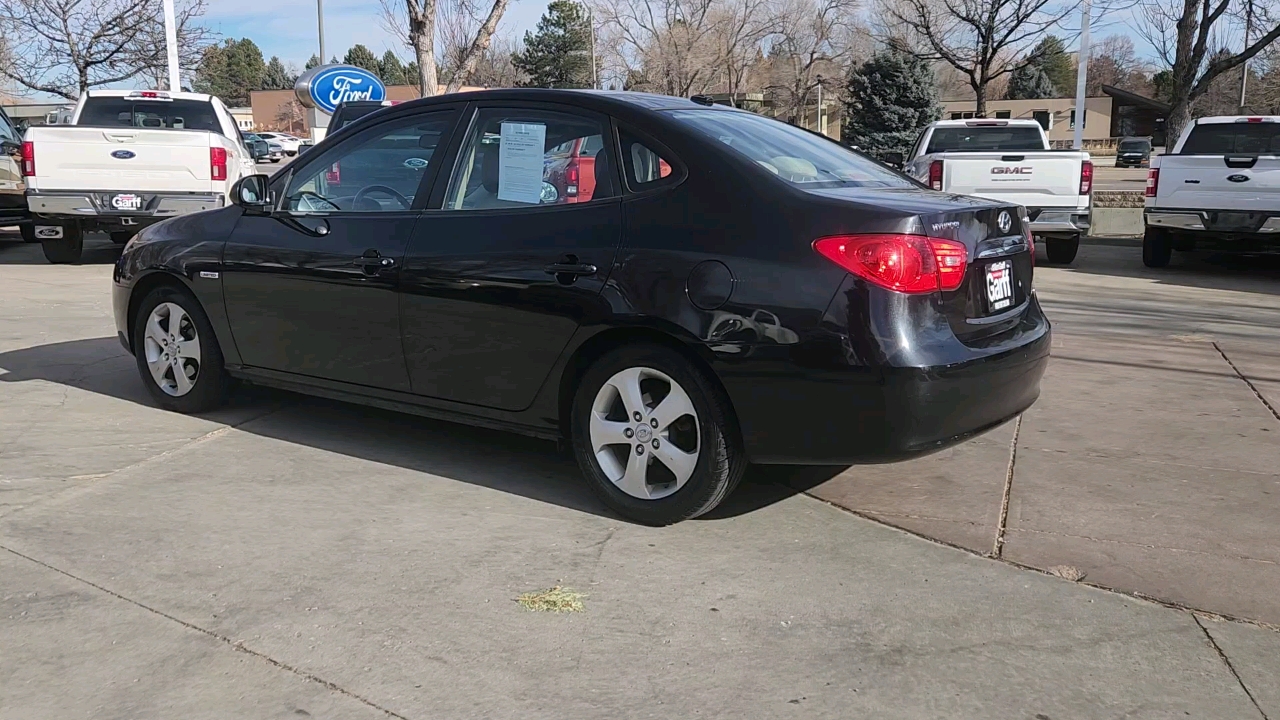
column 627, row 383
column 181, row 380
column 607, row 432
column 176, row 316
column 157, row 368
column 633, row 480
column 189, row 348
column 679, row 462
column 154, row 331
column 673, row 407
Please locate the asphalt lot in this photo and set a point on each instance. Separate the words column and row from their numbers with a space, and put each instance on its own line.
column 289, row 557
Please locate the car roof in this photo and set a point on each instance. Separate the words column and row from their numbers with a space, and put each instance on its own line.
column 600, row 100
column 986, row 122
column 201, row 97
column 1224, row 119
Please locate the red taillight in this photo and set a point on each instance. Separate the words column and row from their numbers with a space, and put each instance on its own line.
column 1086, row 177
column 935, row 174
column 333, row 175
column 903, row 263
column 28, row 159
column 1153, row 182
column 571, row 177
column 218, row 163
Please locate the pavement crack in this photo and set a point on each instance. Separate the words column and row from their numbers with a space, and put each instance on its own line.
column 1227, row 661
column 237, row 645
column 1256, row 393
column 998, row 549
column 1147, row 546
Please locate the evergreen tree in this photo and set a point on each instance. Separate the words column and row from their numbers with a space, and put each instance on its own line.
column 391, row 70
column 558, row 55
column 1052, row 58
column 1030, row 82
column 362, row 57
column 230, row 71
column 890, row 98
column 276, row 76
column 411, row 74
column 313, row 62
column 333, row 60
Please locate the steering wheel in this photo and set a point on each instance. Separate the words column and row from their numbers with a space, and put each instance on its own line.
column 404, row 201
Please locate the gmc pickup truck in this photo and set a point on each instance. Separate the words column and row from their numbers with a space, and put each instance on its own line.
column 1010, row 160
column 129, row 159
column 1218, row 190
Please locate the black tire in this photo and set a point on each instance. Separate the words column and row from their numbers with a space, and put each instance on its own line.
column 1062, row 251
column 721, row 460
column 212, row 384
column 66, row 249
column 28, row 230
column 121, row 238
column 1156, row 248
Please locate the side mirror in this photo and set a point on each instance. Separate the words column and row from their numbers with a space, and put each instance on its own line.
column 8, row 147
column 252, row 193
column 892, row 159
column 303, row 148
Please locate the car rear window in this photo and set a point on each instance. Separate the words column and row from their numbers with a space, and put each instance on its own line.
column 983, row 139
column 797, row 156
column 1225, row 138
column 1138, row 145
column 151, row 114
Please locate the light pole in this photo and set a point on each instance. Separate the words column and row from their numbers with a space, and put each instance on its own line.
column 591, row 20
column 1082, row 78
column 171, row 46
column 320, row 24
column 821, row 130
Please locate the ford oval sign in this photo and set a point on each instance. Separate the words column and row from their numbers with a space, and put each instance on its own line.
column 123, row 154
column 328, row 86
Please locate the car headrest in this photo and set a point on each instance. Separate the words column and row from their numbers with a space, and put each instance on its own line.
column 489, row 170
column 604, row 176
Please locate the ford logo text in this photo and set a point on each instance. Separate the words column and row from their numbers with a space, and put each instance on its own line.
column 328, row 86
column 123, row 154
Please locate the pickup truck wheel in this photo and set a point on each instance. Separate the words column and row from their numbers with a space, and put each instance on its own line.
column 28, row 230
column 1062, row 251
column 654, row 436
column 66, row 249
column 177, row 352
column 1156, row 248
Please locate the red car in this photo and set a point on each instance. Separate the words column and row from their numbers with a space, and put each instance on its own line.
column 571, row 168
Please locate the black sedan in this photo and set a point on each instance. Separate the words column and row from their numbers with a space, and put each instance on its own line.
column 736, row 290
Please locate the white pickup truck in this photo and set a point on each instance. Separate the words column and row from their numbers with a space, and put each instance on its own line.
column 129, row 159
column 1010, row 160
column 1218, row 190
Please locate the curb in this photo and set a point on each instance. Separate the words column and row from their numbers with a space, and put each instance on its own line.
column 1113, row 241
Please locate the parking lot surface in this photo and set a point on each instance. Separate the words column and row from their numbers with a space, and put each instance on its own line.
column 289, row 557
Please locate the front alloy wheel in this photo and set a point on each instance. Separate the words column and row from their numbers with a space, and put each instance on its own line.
column 644, row 433
column 177, row 352
column 172, row 347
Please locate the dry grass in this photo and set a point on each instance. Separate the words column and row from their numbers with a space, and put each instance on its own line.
column 1066, row 572
column 557, row 600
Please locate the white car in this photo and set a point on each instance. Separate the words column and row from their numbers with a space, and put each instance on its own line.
column 127, row 160
column 1010, row 160
column 1219, row 189
column 287, row 142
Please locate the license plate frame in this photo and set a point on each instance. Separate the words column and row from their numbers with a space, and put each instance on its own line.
column 999, row 285
column 127, row 202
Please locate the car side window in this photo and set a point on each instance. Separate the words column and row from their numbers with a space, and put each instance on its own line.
column 644, row 167
column 380, row 171
column 523, row 157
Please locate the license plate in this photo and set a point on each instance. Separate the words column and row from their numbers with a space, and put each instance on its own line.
column 1233, row 219
column 126, row 201
column 999, row 285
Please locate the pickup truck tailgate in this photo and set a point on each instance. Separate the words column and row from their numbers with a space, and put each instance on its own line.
column 1218, row 182
column 89, row 158
column 1032, row 179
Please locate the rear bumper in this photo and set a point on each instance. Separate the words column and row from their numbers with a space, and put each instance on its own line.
column 858, row 415
column 95, row 204
column 1202, row 221
column 1070, row 221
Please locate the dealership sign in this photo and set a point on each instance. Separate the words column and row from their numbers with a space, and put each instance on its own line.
column 327, row 86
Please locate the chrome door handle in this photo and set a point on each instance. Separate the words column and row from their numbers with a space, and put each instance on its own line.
column 571, row 269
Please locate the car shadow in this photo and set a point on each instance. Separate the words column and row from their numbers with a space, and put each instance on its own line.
column 1241, row 273
column 98, row 250
column 515, row 464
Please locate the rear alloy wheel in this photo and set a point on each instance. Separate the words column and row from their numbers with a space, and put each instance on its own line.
column 654, row 437
column 66, row 249
column 1062, row 251
column 1156, row 248
column 177, row 353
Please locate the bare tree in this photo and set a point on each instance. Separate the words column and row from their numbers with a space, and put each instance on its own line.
column 664, row 46
column 979, row 38
column 65, row 47
column 813, row 39
column 193, row 39
column 1191, row 37
column 418, row 23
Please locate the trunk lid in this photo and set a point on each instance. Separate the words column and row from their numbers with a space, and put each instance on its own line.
column 1030, row 178
column 1243, row 182
column 90, row 158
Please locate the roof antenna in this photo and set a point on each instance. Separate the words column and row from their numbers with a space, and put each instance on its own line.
column 703, row 100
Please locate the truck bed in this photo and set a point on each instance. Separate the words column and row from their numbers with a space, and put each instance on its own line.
column 132, row 159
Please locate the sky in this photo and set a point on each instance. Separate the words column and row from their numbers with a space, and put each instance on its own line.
column 287, row 28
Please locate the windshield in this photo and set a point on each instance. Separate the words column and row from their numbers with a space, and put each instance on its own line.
column 983, row 139
column 151, row 114
column 799, row 157
column 1223, row 138
column 1138, row 145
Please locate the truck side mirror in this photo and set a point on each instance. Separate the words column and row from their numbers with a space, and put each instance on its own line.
column 252, row 193
column 892, row 159
column 8, row 147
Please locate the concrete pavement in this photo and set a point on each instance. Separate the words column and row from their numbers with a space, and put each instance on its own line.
column 289, row 557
